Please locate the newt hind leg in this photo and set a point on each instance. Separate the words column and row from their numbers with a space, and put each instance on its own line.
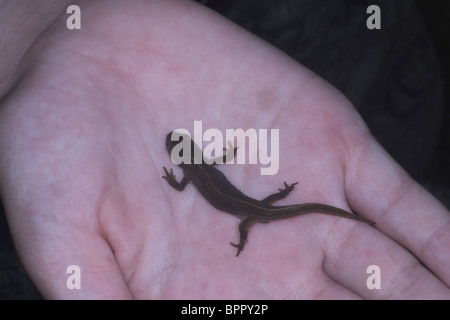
column 244, row 226
column 281, row 194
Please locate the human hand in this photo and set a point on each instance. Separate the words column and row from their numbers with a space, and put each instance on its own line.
column 82, row 138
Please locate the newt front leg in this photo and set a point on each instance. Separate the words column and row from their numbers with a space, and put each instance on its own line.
column 171, row 179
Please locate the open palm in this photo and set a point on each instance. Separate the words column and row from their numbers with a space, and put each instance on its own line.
column 82, row 138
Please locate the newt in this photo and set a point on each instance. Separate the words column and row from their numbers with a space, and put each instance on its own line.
column 224, row 196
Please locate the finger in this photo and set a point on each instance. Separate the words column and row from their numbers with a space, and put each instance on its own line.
column 378, row 188
column 321, row 287
column 398, row 275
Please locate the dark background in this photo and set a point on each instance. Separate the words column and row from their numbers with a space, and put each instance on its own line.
column 397, row 77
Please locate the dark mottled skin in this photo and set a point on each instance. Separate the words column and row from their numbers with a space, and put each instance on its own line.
column 224, row 196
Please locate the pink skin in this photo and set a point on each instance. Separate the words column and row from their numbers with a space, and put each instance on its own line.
column 82, row 141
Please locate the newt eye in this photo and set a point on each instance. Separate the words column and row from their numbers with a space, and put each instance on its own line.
column 176, row 143
column 169, row 143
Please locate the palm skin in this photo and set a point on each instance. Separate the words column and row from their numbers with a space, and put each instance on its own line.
column 82, row 138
